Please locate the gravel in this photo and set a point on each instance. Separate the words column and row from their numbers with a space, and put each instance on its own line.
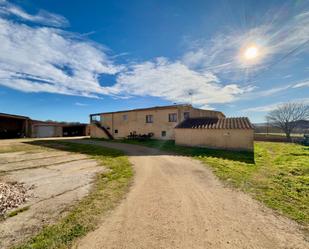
column 12, row 194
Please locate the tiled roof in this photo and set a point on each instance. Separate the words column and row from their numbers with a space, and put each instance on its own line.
column 216, row 123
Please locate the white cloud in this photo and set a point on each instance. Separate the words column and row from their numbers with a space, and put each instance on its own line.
column 275, row 90
column 267, row 108
column 266, row 92
column 81, row 104
column 304, row 83
column 174, row 81
column 45, row 59
column 287, row 76
column 42, row 59
column 42, row 17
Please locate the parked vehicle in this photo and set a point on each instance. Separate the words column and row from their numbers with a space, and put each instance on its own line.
column 305, row 140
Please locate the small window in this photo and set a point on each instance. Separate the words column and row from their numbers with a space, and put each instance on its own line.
column 163, row 133
column 116, row 131
column 125, row 117
column 172, row 117
column 186, row 115
column 96, row 118
column 149, row 118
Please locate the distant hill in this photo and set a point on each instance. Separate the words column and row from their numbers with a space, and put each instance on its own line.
column 302, row 126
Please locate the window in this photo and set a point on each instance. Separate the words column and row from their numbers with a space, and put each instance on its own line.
column 95, row 118
column 149, row 118
column 125, row 117
column 186, row 115
column 163, row 133
column 172, row 117
column 116, row 131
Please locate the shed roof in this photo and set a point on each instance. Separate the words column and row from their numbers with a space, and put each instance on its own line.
column 54, row 123
column 216, row 123
column 7, row 115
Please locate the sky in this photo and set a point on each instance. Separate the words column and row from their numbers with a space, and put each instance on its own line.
column 63, row 60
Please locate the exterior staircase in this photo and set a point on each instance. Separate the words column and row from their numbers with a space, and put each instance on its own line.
column 108, row 134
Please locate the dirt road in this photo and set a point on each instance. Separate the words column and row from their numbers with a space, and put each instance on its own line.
column 176, row 202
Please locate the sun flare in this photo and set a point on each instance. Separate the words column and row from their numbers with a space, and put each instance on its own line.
column 251, row 52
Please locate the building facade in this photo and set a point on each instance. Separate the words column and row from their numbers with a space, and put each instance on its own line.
column 159, row 121
column 218, row 133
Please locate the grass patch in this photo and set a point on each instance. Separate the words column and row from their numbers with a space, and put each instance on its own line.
column 18, row 211
column 17, row 148
column 109, row 188
column 277, row 174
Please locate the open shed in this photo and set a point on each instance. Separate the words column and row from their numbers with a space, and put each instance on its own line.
column 14, row 126
column 221, row 133
column 73, row 130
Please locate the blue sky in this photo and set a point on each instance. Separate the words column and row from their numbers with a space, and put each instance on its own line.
column 63, row 61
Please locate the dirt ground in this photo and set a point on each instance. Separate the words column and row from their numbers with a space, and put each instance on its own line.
column 56, row 179
column 176, row 202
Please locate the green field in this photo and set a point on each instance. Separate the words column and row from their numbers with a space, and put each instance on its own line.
column 277, row 174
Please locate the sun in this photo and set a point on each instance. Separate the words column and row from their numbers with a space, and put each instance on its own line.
column 251, row 52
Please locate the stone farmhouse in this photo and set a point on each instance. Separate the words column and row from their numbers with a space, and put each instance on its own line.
column 185, row 124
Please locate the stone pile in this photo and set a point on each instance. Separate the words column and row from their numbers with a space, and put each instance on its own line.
column 12, row 194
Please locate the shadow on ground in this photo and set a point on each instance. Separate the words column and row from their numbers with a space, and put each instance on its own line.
column 66, row 145
column 171, row 147
column 150, row 147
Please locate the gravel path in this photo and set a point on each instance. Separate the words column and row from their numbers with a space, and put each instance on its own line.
column 176, row 202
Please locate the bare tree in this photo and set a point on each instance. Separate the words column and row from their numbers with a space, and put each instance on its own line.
column 285, row 116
